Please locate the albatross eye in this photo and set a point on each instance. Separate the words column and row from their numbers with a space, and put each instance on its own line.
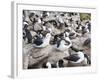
column 67, row 42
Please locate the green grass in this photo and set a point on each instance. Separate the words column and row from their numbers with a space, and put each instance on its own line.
column 85, row 16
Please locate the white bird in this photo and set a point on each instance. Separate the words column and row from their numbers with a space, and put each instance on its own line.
column 48, row 65
column 81, row 57
column 86, row 26
column 45, row 41
column 63, row 45
column 25, row 23
column 39, row 20
column 77, row 58
column 66, row 34
column 60, row 20
column 44, row 28
column 48, row 13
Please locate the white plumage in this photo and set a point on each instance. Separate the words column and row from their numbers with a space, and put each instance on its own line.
column 81, row 56
column 63, row 45
column 48, row 65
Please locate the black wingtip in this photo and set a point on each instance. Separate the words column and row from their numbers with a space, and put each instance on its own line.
column 76, row 49
column 89, row 61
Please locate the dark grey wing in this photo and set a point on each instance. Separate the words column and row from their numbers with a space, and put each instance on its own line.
column 75, row 49
column 73, row 57
column 71, row 34
column 87, row 42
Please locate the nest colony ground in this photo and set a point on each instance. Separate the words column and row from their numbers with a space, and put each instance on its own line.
column 56, row 39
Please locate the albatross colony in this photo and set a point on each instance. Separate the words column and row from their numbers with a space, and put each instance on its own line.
column 56, row 39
